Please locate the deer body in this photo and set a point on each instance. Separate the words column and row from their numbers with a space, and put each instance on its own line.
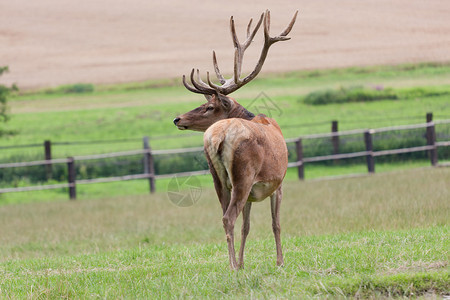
column 254, row 150
column 247, row 155
column 248, row 162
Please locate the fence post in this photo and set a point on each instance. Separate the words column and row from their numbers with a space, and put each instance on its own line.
column 335, row 138
column 48, row 156
column 369, row 148
column 149, row 167
column 299, row 150
column 431, row 139
column 72, row 178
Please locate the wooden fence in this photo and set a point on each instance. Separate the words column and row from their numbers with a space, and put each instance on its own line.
column 149, row 168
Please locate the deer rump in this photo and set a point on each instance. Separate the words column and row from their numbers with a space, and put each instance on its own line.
column 248, row 155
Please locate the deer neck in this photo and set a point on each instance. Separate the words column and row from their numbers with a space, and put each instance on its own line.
column 238, row 111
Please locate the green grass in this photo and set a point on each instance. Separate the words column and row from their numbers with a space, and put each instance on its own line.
column 134, row 110
column 376, row 236
column 370, row 264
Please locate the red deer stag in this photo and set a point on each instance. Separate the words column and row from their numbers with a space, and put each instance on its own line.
column 247, row 155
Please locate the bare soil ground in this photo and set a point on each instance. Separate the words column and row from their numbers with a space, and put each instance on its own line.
column 52, row 42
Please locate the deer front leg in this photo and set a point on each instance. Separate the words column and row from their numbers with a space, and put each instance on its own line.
column 275, row 203
column 245, row 231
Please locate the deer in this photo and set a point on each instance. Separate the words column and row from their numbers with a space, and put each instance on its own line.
column 246, row 154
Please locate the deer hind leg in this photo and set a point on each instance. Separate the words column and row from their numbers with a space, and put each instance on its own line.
column 220, row 177
column 275, row 203
column 239, row 196
column 245, row 231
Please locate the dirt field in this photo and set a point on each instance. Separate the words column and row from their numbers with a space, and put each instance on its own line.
column 53, row 42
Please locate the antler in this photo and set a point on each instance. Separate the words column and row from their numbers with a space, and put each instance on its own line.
column 235, row 82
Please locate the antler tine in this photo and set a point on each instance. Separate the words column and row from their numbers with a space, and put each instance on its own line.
column 200, row 81
column 266, row 28
column 189, row 87
column 267, row 22
column 252, row 35
column 249, row 26
column 196, row 85
column 211, row 84
column 282, row 36
column 201, row 87
column 240, row 48
column 291, row 24
column 268, row 41
column 216, row 69
column 237, row 65
column 233, row 33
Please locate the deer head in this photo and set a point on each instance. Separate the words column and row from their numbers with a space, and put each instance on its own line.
column 219, row 106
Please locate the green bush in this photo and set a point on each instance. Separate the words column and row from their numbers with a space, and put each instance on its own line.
column 349, row 94
column 421, row 92
column 4, row 93
column 78, row 88
column 366, row 94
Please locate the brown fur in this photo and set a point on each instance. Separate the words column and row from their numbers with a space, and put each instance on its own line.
column 216, row 108
column 247, row 157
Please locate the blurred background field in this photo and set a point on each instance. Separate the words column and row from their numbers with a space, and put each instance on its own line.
column 96, row 77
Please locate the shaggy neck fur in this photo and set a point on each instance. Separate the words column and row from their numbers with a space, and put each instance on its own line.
column 239, row 111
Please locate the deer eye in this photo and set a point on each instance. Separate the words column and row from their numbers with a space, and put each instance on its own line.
column 210, row 108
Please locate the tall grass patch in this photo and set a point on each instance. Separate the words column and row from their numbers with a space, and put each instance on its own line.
column 372, row 93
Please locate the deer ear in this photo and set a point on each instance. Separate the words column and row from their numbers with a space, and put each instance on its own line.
column 208, row 97
column 226, row 102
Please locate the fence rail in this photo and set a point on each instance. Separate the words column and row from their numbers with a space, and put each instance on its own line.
column 149, row 170
column 34, row 163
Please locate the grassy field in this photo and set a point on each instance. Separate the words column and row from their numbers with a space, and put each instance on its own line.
column 365, row 265
column 134, row 110
column 380, row 235
column 129, row 111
